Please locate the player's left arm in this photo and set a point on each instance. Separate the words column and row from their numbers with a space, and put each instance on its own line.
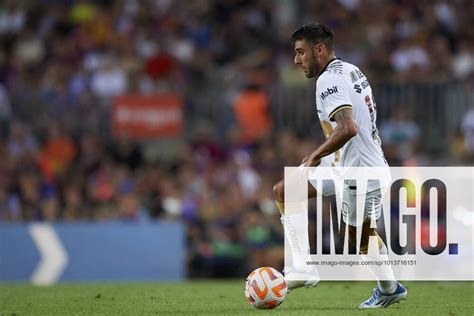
column 345, row 129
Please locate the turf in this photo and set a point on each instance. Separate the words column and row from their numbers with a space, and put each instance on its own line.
column 225, row 298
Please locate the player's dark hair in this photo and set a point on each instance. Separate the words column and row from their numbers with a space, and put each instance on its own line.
column 315, row 33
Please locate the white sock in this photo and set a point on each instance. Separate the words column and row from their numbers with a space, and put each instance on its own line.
column 296, row 233
column 385, row 278
column 288, row 254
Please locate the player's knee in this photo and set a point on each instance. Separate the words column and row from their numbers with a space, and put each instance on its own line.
column 279, row 191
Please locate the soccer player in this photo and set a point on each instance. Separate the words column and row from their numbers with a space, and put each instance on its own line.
column 347, row 113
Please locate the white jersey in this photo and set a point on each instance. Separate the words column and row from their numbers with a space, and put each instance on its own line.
column 342, row 85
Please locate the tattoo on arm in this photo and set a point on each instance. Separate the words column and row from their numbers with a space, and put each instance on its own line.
column 343, row 115
column 345, row 123
column 346, row 128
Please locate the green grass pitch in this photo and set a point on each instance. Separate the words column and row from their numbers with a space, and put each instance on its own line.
column 225, row 298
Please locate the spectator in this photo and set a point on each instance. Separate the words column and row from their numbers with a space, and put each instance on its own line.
column 400, row 137
column 126, row 151
column 22, row 143
column 109, row 80
column 5, row 114
column 463, row 61
column 57, row 153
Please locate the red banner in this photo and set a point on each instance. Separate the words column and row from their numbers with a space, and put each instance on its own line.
column 145, row 117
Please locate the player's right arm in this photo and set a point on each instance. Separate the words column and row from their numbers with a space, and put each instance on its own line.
column 345, row 129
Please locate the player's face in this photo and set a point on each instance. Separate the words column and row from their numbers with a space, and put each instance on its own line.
column 305, row 57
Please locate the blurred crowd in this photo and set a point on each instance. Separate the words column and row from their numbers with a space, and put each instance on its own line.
column 63, row 62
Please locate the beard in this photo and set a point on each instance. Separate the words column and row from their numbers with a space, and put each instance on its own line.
column 313, row 68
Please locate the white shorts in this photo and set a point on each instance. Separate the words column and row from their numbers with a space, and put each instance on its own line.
column 372, row 206
column 327, row 188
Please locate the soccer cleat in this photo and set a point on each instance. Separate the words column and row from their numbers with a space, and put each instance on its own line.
column 296, row 279
column 380, row 300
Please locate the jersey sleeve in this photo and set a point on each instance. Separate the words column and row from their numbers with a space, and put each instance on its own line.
column 333, row 94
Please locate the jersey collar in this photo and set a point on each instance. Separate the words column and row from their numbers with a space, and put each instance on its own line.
column 325, row 67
